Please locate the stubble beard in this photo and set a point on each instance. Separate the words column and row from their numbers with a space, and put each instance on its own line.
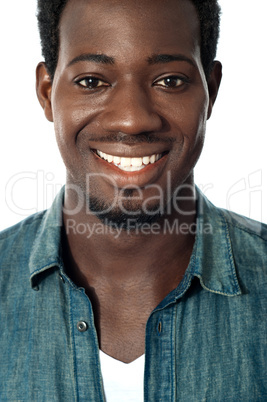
column 129, row 218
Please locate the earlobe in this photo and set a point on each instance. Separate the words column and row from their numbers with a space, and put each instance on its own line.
column 214, row 84
column 44, row 89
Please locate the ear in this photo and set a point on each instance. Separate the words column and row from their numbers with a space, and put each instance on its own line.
column 44, row 89
column 214, row 81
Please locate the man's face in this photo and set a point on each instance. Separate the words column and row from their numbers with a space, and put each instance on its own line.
column 129, row 84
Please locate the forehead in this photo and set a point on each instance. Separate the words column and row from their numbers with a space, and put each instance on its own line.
column 118, row 27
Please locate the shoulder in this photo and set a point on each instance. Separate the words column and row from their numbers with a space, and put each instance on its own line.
column 34, row 242
column 248, row 242
column 242, row 224
column 237, row 226
column 29, row 224
column 239, row 240
column 246, row 233
column 16, row 241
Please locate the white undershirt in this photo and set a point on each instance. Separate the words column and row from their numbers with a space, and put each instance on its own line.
column 122, row 381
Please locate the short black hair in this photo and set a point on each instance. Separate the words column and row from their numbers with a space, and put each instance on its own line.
column 50, row 11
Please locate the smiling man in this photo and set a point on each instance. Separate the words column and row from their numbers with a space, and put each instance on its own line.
column 132, row 286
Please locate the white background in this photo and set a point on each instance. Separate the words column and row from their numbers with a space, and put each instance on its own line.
column 232, row 170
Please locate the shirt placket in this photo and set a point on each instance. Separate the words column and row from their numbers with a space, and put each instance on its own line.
column 89, row 386
column 159, row 379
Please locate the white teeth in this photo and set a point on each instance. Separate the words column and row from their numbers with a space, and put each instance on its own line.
column 152, row 159
column 146, row 160
column 129, row 164
column 136, row 162
column 125, row 162
column 117, row 160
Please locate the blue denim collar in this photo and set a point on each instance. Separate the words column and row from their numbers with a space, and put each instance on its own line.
column 211, row 261
column 46, row 249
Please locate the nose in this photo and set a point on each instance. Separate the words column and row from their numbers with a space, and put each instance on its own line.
column 130, row 110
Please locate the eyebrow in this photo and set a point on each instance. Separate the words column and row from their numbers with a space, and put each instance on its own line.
column 168, row 58
column 96, row 58
column 154, row 59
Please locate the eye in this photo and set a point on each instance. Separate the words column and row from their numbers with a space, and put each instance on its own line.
column 171, row 82
column 91, row 83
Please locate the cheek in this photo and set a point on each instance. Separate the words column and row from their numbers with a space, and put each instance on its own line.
column 190, row 126
column 71, row 111
column 66, row 125
column 193, row 120
column 71, row 117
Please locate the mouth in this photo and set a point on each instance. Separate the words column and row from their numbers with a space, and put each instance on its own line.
column 130, row 164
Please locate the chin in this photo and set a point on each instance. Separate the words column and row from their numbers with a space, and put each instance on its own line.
column 127, row 217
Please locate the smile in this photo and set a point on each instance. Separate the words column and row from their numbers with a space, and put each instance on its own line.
column 130, row 164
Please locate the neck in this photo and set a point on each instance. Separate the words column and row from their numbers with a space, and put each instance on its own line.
column 126, row 274
column 97, row 250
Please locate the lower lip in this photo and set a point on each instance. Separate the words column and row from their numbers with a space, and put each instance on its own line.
column 140, row 178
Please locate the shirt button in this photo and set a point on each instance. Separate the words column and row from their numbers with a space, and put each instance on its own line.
column 159, row 327
column 82, row 326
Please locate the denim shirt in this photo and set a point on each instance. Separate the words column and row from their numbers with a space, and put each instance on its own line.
column 206, row 341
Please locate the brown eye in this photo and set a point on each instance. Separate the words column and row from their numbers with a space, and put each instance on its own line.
column 170, row 82
column 91, row 82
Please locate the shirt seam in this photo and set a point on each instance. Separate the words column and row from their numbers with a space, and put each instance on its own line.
column 216, row 291
column 173, row 354
column 13, row 230
column 230, row 256
column 74, row 347
column 44, row 268
column 243, row 228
